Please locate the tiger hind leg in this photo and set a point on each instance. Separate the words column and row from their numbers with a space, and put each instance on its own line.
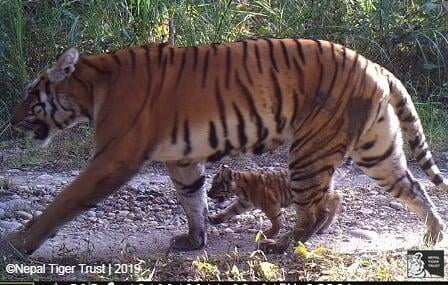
column 315, row 202
column 380, row 155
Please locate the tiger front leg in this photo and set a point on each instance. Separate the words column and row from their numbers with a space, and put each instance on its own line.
column 95, row 183
column 188, row 181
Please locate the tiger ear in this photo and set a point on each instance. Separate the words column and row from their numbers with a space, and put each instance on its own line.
column 64, row 65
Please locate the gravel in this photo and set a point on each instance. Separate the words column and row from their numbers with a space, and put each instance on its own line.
column 152, row 204
column 364, row 234
column 24, row 215
column 16, row 205
column 9, row 226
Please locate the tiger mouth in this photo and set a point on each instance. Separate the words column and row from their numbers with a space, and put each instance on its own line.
column 39, row 129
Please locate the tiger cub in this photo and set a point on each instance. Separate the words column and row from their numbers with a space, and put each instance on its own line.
column 267, row 190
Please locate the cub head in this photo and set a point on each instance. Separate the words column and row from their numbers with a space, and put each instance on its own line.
column 48, row 105
column 222, row 185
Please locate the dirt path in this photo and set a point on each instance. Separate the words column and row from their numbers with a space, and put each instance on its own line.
column 141, row 218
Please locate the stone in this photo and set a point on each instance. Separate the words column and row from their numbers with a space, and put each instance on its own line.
column 24, row 215
column 16, row 205
column 2, row 213
column 364, row 234
column 74, row 173
column 45, row 177
column 23, row 188
column 396, row 205
column 228, row 231
column 123, row 213
column 9, row 226
column 91, row 213
column 37, row 213
column 14, row 171
column 368, row 211
column 158, row 200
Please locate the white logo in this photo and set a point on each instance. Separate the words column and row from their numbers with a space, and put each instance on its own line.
column 416, row 266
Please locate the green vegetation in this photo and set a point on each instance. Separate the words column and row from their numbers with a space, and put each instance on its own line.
column 407, row 37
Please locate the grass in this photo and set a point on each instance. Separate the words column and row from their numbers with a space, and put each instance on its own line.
column 68, row 150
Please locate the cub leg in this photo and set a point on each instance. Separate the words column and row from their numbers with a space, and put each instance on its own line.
column 275, row 215
column 236, row 208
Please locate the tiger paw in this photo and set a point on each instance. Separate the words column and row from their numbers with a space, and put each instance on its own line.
column 432, row 238
column 272, row 246
column 187, row 242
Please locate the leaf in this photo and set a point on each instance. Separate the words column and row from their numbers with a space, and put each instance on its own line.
column 430, row 66
column 268, row 270
column 259, row 236
column 235, row 270
column 319, row 251
column 301, row 250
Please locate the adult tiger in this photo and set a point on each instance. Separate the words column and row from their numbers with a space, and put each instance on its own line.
column 188, row 105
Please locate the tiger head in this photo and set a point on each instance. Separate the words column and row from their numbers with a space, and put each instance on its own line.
column 50, row 103
column 222, row 185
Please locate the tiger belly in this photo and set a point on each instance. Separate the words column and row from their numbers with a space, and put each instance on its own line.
column 195, row 145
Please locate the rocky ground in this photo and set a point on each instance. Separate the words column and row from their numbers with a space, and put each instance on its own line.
column 142, row 217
